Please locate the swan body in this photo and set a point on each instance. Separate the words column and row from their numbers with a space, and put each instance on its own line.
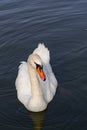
column 36, row 83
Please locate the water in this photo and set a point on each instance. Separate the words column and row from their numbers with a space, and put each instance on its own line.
column 62, row 26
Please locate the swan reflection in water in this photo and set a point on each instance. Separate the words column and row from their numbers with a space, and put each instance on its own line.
column 37, row 119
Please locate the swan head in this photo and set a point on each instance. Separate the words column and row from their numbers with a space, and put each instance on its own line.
column 35, row 61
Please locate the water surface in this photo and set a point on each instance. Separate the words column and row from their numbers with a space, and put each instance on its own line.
column 62, row 26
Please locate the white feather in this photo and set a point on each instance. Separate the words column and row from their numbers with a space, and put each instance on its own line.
column 51, row 82
column 23, row 83
column 43, row 52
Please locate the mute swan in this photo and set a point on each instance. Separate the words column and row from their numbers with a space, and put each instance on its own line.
column 35, row 83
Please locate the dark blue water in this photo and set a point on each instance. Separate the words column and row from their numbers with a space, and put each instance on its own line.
column 62, row 26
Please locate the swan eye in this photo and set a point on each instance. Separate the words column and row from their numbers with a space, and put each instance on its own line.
column 38, row 66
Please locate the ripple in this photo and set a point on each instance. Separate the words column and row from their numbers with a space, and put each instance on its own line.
column 61, row 25
column 16, row 120
column 23, row 119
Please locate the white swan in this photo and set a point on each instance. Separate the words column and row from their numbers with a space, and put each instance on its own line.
column 36, row 84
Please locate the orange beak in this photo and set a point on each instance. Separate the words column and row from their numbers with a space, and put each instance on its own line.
column 41, row 73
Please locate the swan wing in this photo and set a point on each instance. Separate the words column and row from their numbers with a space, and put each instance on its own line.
column 50, row 85
column 22, row 83
column 43, row 52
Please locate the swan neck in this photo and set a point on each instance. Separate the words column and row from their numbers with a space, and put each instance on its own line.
column 35, row 85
